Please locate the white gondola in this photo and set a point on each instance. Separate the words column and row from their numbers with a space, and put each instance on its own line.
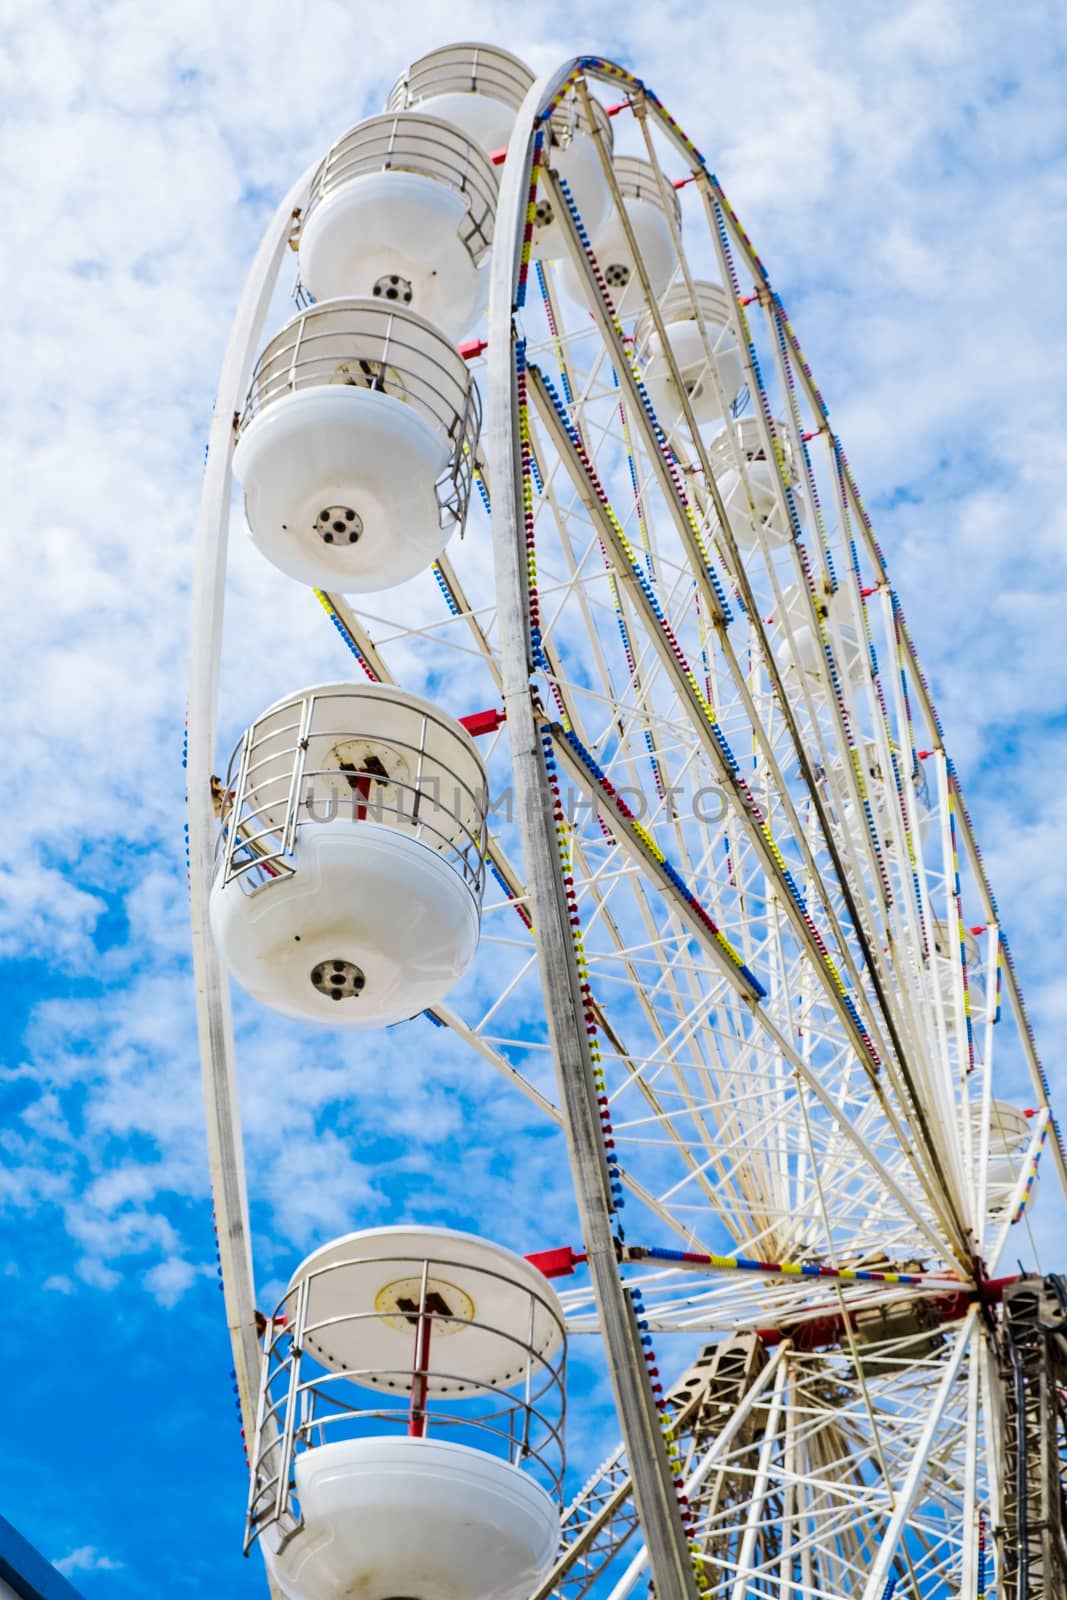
column 402, row 210
column 755, row 510
column 350, row 866
column 410, row 1438
column 887, row 811
column 356, row 445
column 798, row 641
column 1009, row 1140
column 573, row 155
column 479, row 87
column 945, row 958
column 648, row 208
column 886, row 808
column 852, row 818
column 697, row 352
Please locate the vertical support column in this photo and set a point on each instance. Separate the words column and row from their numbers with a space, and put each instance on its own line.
column 420, row 1372
column 217, row 1066
column 756, row 1511
column 971, row 1510
column 654, row 1489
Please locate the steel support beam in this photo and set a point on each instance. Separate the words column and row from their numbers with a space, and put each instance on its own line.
column 646, row 1451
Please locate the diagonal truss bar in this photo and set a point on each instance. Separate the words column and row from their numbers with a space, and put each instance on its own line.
column 637, row 842
column 681, row 680
column 909, row 1490
column 688, row 1400
column 773, row 1373
column 714, row 195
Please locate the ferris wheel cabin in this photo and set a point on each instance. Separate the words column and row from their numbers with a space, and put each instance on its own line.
column 572, row 153
column 1009, row 1140
column 353, row 818
column 402, row 210
column 798, row 641
column 752, row 495
column 699, row 348
column 477, row 87
column 650, row 210
column 410, row 1433
column 356, row 444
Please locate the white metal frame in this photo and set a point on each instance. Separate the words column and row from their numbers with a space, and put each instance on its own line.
column 782, row 1070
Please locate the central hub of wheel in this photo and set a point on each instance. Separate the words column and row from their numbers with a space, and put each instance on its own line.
column 393, row 287
column 544, row 213
column 338, row 525
column 341, row 980
column 617, row 275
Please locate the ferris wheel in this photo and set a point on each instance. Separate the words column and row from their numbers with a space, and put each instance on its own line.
column 628, row 776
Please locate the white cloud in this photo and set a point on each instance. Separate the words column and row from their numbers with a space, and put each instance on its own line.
column 86, row 1558
column 168, row 1280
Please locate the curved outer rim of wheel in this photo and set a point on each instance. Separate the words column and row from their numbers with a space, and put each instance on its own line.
column 217, row 1058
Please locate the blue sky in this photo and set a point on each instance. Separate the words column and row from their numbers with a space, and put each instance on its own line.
column 903, row 173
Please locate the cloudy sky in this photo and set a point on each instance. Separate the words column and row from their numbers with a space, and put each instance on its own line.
column 902, row 170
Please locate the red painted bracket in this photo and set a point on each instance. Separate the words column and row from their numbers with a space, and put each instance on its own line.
column 556, row 1263
column 480, row 722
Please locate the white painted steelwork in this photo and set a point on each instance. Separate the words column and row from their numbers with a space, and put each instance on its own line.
column 733, row 910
